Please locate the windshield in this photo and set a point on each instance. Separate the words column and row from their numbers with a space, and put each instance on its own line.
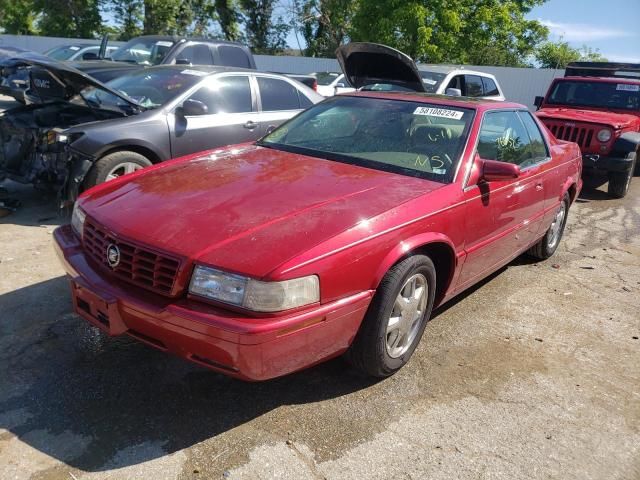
column 150, row 88
column 143, row 51
column 327, row 78
column 585, row 93
column 65, row 53
column 410, row 138
column 431, row 80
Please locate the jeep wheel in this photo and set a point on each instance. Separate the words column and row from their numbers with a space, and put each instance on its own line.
column 619, row 183
column 396, row 318
column 636, row 170
column 113, row 166
column 548, row 244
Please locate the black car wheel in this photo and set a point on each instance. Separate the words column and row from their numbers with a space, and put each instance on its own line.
column 548, row 244
column 396, row 318
column 619, row 181
column 113, row 166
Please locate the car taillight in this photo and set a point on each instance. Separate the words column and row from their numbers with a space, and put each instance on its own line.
column 315, row 85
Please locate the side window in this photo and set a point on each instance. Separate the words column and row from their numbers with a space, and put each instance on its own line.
column 278, row 95
column 304, row 101
column 490, row 87
column 538, row 147
column 456, row 82
column 503, row 137
column 233, row 57
column 473, row 84
column 198, row 54
column 226, row 95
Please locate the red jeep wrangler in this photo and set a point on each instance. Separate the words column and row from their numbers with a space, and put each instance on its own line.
column 597, row 105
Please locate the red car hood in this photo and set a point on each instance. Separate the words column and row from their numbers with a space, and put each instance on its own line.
column 616, row 120
column 247, row 211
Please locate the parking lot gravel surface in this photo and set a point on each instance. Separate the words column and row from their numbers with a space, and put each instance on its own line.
column 533, row 374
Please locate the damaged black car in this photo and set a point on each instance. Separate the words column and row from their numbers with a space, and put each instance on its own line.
column 78, row 132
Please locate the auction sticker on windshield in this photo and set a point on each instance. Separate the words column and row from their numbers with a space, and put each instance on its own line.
column 628, row 88
column 439, row 112
column 164, row 43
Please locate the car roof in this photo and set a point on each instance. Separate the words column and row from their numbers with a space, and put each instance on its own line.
column 603, row 79
column 451, row 68
column 211, row 69
column 177, row 38
column 462, row 102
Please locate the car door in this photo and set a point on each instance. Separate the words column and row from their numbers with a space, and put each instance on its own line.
column 502, row 217
column 278, row 100
column 231, row 116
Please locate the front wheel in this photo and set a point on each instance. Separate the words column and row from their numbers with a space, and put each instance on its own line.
column 113, row 166
column 548, row 244
column 396, row 318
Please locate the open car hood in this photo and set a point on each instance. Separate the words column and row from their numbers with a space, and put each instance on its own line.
column 370, row 63
column 52, row 80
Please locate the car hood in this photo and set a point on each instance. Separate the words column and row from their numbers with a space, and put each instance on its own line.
column 247, row 209
column 53, row 80
column 368, row 63
column 616, row 120
column 104, row 70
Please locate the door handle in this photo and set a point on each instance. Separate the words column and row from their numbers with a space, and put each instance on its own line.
column 250, row 125
column 539, row 186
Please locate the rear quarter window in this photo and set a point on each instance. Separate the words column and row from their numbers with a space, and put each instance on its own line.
column 233, row 57
column 490, row 87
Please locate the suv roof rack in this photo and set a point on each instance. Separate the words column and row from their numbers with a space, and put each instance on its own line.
column 603, row 69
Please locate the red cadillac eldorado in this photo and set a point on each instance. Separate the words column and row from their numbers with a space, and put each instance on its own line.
column 339, row 232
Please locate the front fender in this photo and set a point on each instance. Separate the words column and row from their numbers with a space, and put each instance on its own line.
column 627, row 142
column 406, row 247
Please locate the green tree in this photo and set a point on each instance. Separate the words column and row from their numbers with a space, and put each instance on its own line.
column 324, row 24
column 264, row 33
column 228, row 17
column 128, row 15
column 560, row 54
column 167, row 17
column 18, row 17
column 69, row 18
column 481, row 32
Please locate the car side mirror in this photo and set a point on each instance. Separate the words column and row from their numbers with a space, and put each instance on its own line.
column 192, row 108
column 340, row 85
column 453, row 92
column 538, row 102
column 183, row 61
column 495, row 171
column 89, row 56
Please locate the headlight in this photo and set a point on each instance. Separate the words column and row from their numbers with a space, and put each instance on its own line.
column 254, row 294
column 604, row 135
column 77, row 219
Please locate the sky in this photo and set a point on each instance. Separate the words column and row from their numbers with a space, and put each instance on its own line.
column 611, row 26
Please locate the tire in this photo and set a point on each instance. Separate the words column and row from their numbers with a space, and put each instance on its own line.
column 548, row 244
column 636, row 170
column 114, row 165
column 373, row 352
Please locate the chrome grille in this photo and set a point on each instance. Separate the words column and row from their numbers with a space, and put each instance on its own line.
column 138, row 265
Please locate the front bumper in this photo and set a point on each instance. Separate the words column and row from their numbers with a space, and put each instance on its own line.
column 240, row 346
column 601, row 163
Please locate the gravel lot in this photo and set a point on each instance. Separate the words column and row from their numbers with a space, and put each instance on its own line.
column 534, row 374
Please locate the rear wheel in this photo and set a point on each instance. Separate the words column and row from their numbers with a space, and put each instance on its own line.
column 113, row 166
column 548, row 244
column 396, row 318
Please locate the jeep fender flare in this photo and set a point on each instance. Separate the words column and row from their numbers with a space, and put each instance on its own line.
column 406, row 247
column 627, row 142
